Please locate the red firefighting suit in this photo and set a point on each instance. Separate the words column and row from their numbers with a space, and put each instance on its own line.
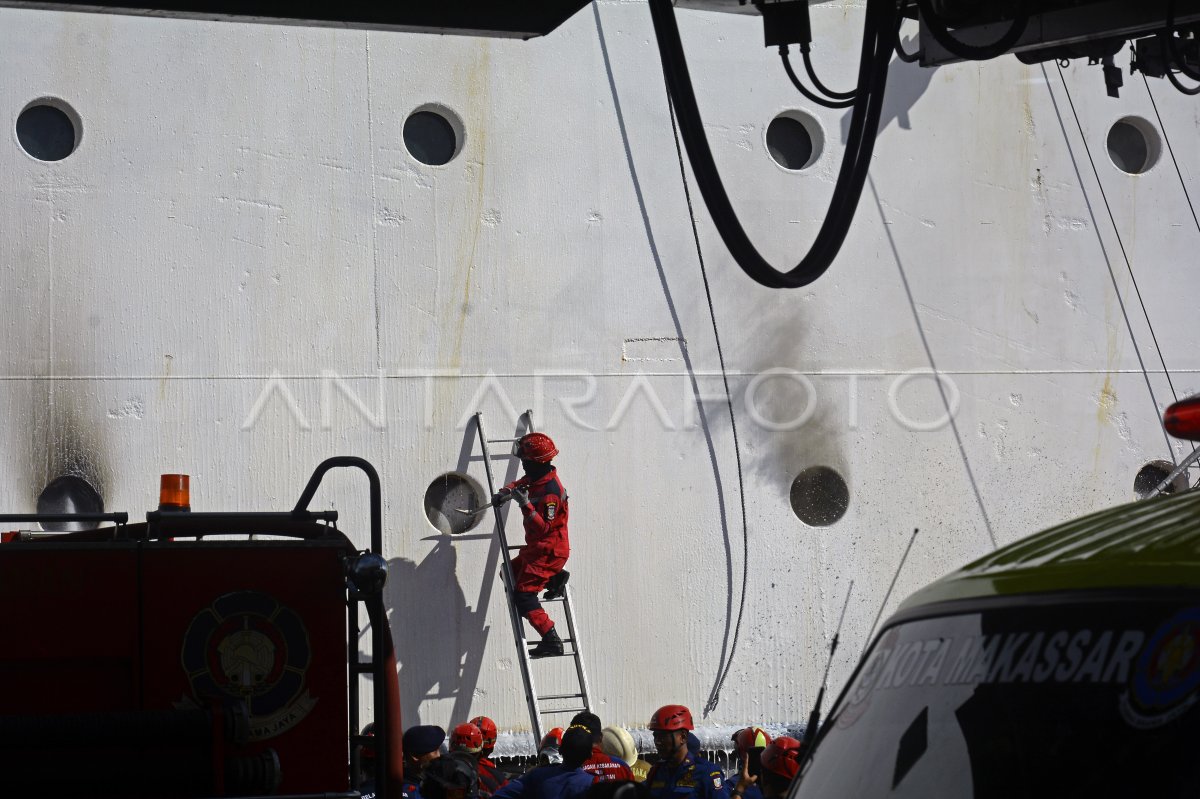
column 546, row 546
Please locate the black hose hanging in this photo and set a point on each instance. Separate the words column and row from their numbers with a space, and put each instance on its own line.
column 812, row 96
column 1172, row 50
column 878, row 38
column 816, row 82
column 969, row 52
column 1178, row 84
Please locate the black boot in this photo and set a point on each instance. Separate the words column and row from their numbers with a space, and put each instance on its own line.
column 556, row 586
column 550, row 646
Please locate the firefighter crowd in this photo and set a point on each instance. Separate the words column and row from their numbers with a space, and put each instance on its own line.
column 588, row 761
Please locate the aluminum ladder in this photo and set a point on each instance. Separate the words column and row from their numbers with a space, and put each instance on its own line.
column 551, row 704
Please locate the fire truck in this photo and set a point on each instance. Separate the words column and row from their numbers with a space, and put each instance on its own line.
column 195, row 654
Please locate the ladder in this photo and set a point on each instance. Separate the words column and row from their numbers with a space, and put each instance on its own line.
column 579, row 697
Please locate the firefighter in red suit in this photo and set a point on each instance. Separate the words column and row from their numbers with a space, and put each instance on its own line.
column 543, row 503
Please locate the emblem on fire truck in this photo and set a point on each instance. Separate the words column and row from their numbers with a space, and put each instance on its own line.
column 247, row 646
column 1165, row 683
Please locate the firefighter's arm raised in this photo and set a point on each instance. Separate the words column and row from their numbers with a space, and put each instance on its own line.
column 539, row 517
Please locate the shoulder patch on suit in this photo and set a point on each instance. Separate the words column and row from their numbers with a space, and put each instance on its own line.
column 551, row 504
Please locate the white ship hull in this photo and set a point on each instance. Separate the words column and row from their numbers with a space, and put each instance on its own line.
column 242, row 270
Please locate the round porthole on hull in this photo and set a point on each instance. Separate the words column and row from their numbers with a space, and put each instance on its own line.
column 433, row 134
column 48, row 129
column 819, row 496
column 1150, row 476
column 69, row 493
column 1134, row 145
column 794, row 140
column 450, row 500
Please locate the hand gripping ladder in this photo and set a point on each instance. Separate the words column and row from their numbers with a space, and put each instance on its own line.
column 550, row 704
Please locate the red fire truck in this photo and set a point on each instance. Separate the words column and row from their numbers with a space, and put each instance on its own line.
column 152, row 660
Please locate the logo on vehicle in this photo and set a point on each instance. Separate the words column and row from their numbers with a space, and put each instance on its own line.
column 248, row 647
column 1167, row 675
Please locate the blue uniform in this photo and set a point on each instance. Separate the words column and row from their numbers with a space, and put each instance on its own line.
column 753, row 792
column 694, row 777
column 411, row 788
column 529, row 785
column 567, row 784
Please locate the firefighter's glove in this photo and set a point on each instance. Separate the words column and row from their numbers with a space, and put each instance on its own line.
column 521, row 496
column 502, row 496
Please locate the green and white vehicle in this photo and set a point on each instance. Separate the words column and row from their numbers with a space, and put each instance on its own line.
column 1066, row 664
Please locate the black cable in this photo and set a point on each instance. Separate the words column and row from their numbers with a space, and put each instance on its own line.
column 813, row 97
column 714, row 696
column 1124, row 254
column 941, row 34
column 727, row 654
column 816, row 82
column 1171, row 150
column 878, row 35
column 1186, row 194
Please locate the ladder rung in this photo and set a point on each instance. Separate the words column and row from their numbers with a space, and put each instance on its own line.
column 502, row 440
column 555, row 599
column 566, row 710
column 560, row 696
column 565, row 641
column 511, row 548
column 362, row 668
column 573, row 653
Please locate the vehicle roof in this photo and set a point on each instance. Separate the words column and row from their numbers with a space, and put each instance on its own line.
column 1148, row 543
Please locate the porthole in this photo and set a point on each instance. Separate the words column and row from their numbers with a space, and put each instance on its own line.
column 450, row 500
column 433, row 134
column 1134, row 145
column 794, row 140
column 69, row 493
column 819, row 496
column 1151, row 476
column 48, row 129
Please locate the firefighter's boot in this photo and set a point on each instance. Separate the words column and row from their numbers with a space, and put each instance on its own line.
column 556, row 586
column 550, row 646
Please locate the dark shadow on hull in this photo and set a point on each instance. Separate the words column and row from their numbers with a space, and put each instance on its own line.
column 440, row 641
column 907, row 83
column 432, row 628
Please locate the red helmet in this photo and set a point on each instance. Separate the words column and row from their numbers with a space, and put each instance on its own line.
column 782, row 757
column 367, row 752
column 487, row 728
column 751, row 738
column 536, row 447
column 672, row 717
column 552, row 738
column 466, row 738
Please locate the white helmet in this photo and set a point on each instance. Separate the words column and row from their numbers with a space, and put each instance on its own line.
column 617, row 742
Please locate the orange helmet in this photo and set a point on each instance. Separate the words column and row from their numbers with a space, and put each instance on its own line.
column 782, row 757
column 751, row 738
column 672, row 717
column 536, row 447
column 466, row 738
column 487, row 728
